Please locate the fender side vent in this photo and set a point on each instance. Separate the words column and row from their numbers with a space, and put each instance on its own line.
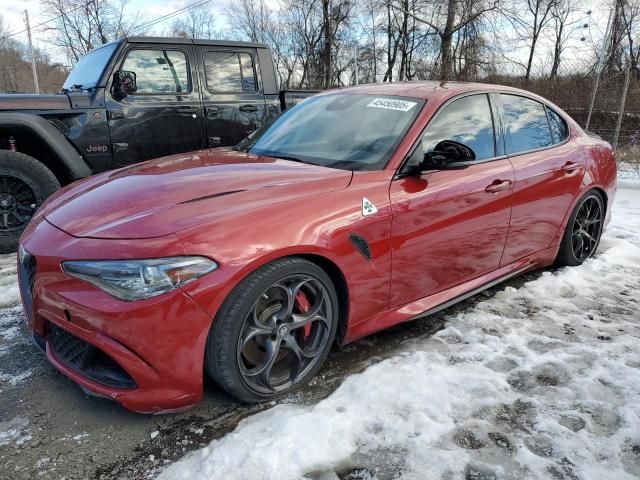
column 361, row 245
column 207, row 197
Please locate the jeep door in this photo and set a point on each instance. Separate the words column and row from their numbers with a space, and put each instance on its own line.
column 232, row 93
column 164, row 115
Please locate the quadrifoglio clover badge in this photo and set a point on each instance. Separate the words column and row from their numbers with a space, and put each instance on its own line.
column 368, row 208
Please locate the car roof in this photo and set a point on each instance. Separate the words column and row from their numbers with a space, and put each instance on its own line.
column 193, row 41
column 432, row 89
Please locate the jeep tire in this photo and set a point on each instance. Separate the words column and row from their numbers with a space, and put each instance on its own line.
column 24, row 184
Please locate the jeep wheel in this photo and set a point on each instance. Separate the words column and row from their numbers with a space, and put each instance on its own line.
column 24, row 184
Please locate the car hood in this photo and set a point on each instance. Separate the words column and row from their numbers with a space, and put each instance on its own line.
column 15, row 101
column 169, row 194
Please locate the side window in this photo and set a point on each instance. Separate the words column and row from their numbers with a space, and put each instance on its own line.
column 230, row 72
column 527, row 124
column 559, row 129
column 466, row 120
column 159, row 71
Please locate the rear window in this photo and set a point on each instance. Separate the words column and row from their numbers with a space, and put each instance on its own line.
column 559, row 129
column 527, row 124
column 230, row 72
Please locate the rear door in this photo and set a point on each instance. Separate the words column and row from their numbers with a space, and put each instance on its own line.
column 232, row 93
column 450, row 226
column 548, row 167
column 164, row 115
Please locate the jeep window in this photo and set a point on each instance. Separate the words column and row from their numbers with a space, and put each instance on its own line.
column 229, row 72
column 87, row 72
column 158, row 71
column 350, row 132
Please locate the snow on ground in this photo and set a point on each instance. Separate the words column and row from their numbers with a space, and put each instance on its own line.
column 542, row 381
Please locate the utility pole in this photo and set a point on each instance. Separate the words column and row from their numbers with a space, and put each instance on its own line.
column 355, row 60
column 36, row 87
column 599, row 66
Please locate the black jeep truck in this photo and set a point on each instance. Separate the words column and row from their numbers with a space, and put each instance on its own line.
column 128, row 101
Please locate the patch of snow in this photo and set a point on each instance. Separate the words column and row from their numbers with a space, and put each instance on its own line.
column 9, row 292
column 541, row 381
column 14, row 430
column 154, row 434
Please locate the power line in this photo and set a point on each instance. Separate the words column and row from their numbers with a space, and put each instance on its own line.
column 144, row 25
column 172, row 14
column 9, row 35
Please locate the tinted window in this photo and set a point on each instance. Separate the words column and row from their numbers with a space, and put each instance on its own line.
column 527, row 124
column 467, row 120
column 159, row 71
column 229, row 72
column 559, row 129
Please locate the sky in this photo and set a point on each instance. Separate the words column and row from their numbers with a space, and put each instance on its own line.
column 12, row 12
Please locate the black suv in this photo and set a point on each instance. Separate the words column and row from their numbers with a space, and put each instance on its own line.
column 129, row 101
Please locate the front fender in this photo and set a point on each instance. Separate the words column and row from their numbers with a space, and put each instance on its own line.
column 48, row 134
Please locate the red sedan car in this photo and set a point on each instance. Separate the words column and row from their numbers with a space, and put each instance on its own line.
column 356, row 210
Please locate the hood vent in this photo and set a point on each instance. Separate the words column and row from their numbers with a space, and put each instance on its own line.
column 207, row 197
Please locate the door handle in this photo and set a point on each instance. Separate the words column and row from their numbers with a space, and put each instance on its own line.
column 248, row 108
column 212, row 112
column 570, row 167
column 116, row 114
column 191, row 111
column 498, row 186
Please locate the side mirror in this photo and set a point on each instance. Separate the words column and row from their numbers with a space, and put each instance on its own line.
column 124, row 83
column 448, row 154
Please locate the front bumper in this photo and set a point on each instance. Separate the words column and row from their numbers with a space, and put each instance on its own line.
column 148, row 354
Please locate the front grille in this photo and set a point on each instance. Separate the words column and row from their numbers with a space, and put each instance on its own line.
column 27, row 266
column 88, row 359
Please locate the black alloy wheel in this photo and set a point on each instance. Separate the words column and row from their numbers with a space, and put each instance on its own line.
column 274, row 330
column 584, row 229
column 18, row 202
column 284, row 334
column 24, row 184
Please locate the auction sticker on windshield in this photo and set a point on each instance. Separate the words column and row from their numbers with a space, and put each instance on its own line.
column 392, row 104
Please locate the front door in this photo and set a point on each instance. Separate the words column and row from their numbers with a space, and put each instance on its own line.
column 450, row 226
column 164, row 115
column 234, row 102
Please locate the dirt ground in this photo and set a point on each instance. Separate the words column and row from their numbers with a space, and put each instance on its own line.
column 50, row 429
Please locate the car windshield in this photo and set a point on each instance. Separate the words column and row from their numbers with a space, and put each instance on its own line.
column 346, row 131
column 89, row 68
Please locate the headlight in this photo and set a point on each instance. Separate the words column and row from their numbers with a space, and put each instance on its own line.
column 136, row 279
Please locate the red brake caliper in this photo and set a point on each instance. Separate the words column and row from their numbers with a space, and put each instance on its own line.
column 303, row 306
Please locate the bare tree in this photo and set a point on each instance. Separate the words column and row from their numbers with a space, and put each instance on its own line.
column 565, row 26
column 529, row 18
column 81, row 26
column 450, row 21
column 629, row 15
column 198, row 22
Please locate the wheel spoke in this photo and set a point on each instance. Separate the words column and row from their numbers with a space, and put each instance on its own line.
column 300, row 320
column 264, row 370
column 253, row 332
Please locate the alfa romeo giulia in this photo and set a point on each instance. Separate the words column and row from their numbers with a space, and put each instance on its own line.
column 355, row 210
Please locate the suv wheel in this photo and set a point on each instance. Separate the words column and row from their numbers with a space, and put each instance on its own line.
column 24, row 184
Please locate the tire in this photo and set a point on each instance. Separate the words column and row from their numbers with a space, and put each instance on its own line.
column 253, row 306
column 24, row 184
column 582, row 231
